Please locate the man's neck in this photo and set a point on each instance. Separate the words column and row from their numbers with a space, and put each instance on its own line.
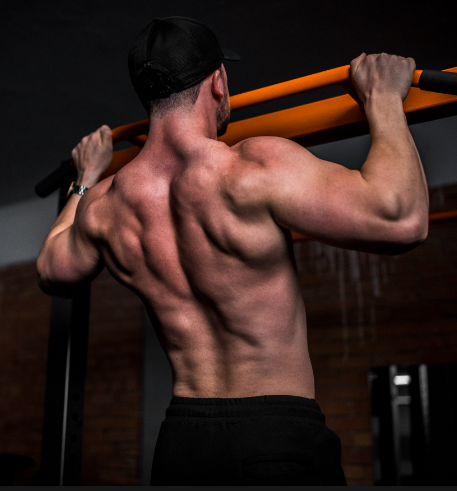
column 174, row 138
column 182, row 127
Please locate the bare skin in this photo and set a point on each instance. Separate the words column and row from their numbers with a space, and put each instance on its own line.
column 200, row 231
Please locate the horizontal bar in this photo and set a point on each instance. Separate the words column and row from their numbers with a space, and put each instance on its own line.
column 305, row 124
column 441, row 216
column 336, row 76
column 130, row 130
column 310, row 82
column 120, row 158
column 61, row 176
column 317, row 117
column 438, row 81
column 310, row 124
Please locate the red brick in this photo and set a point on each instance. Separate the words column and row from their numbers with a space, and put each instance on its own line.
column 357, row 455
column 350, row 362
column 356, row 471
column 363, row 439
column 347, row 423
column 334, row 408
column 345, row 437
column 362, row 406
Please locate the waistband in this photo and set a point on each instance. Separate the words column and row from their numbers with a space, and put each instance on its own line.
column 244, row 407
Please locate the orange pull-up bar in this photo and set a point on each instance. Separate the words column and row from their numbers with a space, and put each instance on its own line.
column 336, row 76
column 310, row 124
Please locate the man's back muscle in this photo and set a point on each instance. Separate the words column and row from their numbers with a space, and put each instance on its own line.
column 211, row 264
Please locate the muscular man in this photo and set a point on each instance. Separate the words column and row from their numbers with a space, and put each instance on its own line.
column 200, row 231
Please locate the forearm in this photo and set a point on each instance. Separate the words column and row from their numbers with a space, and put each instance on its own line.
column 66, row 217
column 393, row 167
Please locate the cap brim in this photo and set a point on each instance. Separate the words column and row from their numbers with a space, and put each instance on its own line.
column 231, row 55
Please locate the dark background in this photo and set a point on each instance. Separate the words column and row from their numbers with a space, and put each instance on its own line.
column 64, row 64
column 63, row 73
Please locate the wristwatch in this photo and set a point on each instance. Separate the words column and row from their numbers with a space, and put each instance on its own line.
column 77, row 189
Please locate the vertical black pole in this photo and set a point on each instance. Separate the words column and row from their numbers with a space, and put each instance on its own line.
column 419, row 429
column 61, row 449
column 381, row 413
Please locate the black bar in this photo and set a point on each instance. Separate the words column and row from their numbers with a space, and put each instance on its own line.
column 442, row 383
column 419, row 450
column 55, row 401
column 438, row 81
column 381, row 414
column 76, row 388
column 61, row 451
column 59, row 178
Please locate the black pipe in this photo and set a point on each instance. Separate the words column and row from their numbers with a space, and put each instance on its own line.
column 62, row 176
column 437, row 81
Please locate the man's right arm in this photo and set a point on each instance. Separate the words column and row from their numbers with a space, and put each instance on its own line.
column 383, row 208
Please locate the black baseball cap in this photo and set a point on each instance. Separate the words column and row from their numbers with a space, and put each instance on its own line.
column 184, row 50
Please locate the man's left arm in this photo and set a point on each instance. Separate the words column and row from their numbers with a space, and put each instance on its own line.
column 69, row 256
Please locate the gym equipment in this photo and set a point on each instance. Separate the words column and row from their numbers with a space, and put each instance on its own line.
column 310, row 124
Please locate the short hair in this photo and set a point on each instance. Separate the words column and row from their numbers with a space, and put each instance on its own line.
column 153, row 81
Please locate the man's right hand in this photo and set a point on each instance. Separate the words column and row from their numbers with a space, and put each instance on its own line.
column 382, row 74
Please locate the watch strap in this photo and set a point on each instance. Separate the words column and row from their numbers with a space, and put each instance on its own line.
column 76, row 189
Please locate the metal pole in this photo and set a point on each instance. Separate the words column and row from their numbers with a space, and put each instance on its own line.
column 61, row 449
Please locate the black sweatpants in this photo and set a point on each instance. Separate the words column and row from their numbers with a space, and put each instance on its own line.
column 265, row 440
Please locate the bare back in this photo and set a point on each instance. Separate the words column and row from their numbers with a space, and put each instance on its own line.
column 212, row 267
column 200, row 230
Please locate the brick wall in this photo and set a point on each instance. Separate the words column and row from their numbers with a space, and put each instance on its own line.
column 112, row 420
column 363, row 311
column 24, row 324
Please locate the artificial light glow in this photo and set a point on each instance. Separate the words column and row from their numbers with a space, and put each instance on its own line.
column 402, row 379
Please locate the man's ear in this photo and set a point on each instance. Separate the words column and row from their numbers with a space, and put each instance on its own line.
column 217, row 84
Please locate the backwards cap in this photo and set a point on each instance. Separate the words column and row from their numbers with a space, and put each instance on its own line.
column 184, row 50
